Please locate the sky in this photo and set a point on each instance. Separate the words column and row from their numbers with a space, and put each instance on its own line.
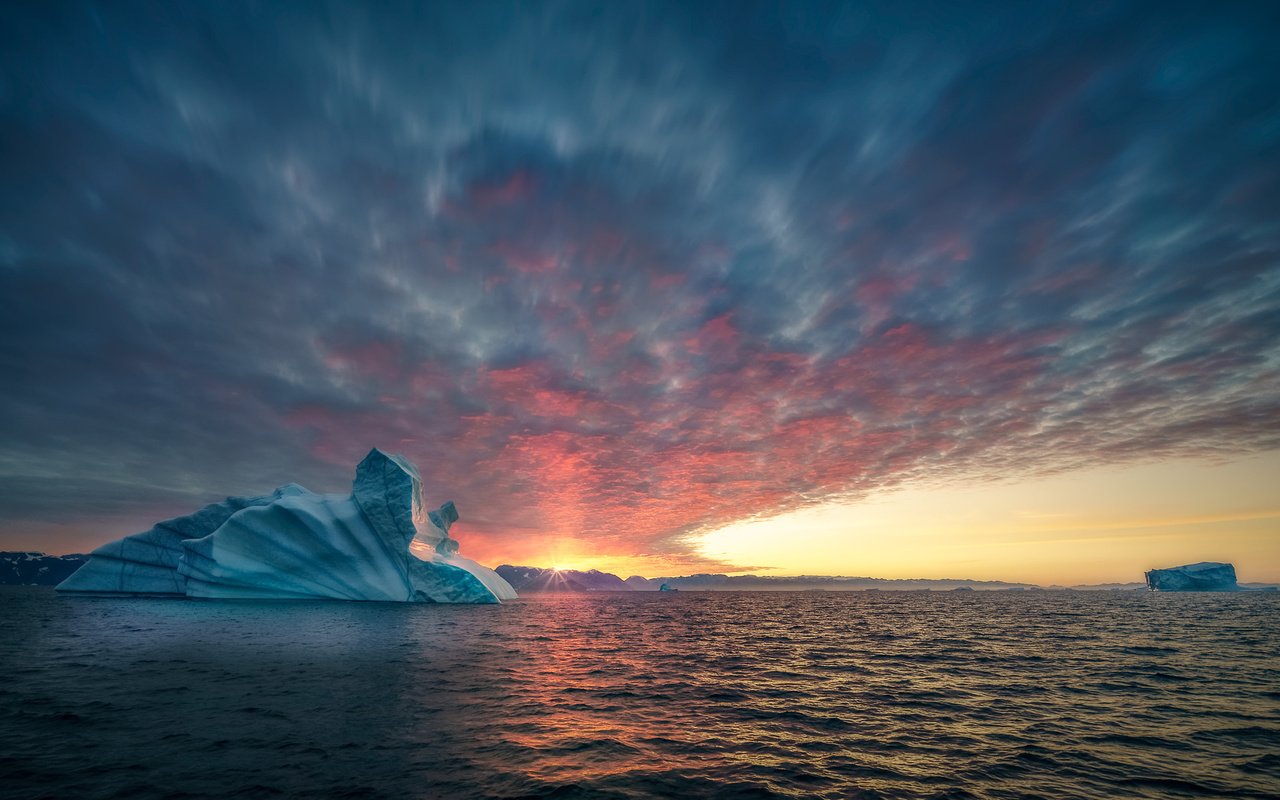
column 901, row 283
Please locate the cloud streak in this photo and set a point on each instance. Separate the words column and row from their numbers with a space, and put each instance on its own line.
column 609, row 280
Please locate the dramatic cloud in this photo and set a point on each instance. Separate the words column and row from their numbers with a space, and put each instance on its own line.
column 613, row 273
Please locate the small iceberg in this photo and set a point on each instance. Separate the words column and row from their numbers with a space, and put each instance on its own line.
column 378, row 543
column 1206, row 576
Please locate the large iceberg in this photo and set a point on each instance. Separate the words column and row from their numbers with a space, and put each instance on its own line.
column 1206, row 576
column 378, row 543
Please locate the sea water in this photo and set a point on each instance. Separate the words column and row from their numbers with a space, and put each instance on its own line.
column 689, row 694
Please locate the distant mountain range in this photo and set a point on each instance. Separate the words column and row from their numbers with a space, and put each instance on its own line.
column 541, row 579
column 37, row 569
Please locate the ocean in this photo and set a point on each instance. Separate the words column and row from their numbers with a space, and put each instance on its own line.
column 674, row 695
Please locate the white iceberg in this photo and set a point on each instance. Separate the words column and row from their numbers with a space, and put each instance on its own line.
column 378, row 543
column 1206, row 576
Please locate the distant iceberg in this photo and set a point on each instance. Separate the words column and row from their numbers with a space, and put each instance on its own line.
column 378, row 543
column 1206, row 576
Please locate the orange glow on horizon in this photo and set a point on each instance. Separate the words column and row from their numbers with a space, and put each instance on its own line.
column 1099, row 525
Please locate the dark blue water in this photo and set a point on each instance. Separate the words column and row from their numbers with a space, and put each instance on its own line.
column 998, row 695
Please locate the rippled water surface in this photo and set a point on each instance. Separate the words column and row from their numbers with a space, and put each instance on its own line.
column 882, row 694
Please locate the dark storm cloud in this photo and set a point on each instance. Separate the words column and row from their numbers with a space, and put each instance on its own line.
column 614, row 273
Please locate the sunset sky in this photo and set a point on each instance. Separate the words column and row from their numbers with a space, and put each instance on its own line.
column 968, row 290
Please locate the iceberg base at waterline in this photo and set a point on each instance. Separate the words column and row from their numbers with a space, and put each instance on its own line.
column 378, row 543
